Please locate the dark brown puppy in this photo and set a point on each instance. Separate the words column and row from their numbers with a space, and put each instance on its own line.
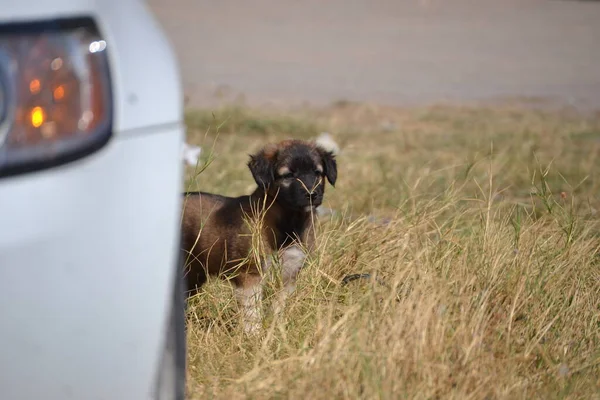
column 242, row 237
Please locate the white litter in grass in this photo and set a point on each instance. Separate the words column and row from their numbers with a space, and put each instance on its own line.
column 190, row 154
column 326, row 141
column 388, row 126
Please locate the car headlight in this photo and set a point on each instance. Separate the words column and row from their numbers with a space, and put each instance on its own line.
column 55, row 94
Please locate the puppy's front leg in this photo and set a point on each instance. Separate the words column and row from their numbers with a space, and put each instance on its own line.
column 249, row 297
column 291, row 261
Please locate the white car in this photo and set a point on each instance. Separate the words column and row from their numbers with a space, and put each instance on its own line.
column 91, row 129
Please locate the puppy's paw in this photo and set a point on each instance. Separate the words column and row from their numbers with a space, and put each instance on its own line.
column 252, row 328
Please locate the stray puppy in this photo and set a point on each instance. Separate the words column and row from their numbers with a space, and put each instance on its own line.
column 220, row 234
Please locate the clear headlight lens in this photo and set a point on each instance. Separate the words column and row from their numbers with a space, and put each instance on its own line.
column 55, row 97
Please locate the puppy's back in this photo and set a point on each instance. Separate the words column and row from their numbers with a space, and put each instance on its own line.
column 199, row 220
column 212, row 211
column 211, row 227
column 199, row 204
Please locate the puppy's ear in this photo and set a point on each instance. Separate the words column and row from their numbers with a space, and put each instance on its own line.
column 261, row 166
column 329, row 165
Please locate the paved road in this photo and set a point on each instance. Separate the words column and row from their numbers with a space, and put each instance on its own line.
column 386, row 51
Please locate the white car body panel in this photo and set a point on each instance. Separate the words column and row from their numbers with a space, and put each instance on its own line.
column 88, row 250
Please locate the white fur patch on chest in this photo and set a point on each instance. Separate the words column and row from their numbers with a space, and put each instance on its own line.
column 291, row 260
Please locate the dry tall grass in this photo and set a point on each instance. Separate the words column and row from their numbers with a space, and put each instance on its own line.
column 481, row 222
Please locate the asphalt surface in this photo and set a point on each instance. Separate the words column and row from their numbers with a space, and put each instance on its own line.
column 384, row 51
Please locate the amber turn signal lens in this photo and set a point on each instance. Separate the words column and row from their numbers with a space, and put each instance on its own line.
column 37, row 116
column 34, row 86
column 59, row 93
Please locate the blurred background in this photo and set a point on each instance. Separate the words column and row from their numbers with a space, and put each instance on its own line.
column 393, row 52
column 469, row 137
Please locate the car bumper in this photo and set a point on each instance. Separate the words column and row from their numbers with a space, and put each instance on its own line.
column 88, row 253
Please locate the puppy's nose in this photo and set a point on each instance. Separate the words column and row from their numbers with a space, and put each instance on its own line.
column 311, row 196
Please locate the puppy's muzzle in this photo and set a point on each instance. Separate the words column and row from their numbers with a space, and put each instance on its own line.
column 312, row 197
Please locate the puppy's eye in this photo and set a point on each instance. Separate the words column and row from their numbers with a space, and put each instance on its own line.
column 289, row 175
column 319, row 173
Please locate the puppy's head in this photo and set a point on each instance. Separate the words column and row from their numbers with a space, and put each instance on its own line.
column 294, row 171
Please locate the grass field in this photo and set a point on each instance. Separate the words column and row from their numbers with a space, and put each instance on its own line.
column 481, row 222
